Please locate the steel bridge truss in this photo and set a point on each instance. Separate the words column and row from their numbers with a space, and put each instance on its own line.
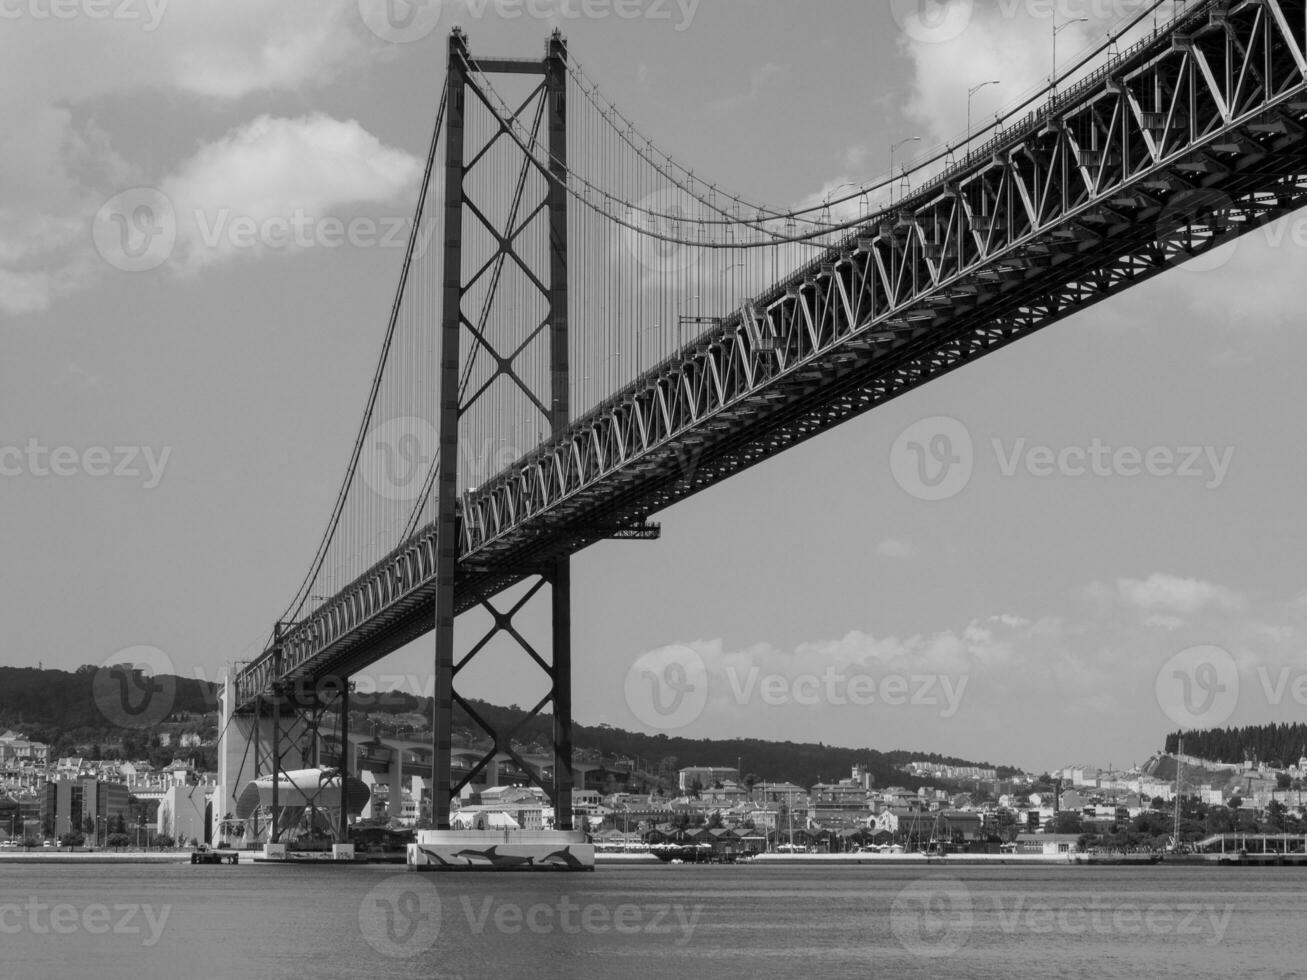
column 1181, row 144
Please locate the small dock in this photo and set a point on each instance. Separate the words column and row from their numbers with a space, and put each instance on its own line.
column 1248, row 850
column 214, row 855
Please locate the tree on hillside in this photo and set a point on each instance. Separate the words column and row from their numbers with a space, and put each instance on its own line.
column 1275, row 817
column 1068, row 822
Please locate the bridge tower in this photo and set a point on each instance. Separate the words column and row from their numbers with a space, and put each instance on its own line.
column 530, row 233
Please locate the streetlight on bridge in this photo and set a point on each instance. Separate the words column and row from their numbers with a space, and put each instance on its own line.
column 892, row 149
column 971, row 93
column 1056, row 31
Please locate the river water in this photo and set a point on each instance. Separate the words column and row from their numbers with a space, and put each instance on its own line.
column 271, row 922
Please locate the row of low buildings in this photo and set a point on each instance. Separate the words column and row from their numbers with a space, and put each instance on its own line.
column 92, row 797
column 954, row 774
column 17, row 750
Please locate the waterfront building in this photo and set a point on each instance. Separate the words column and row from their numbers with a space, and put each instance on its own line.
column 476, row 817
column 1047, row 843
column 706, row 776
column 847, row 803
column 787, row 793
column 729, row 793
column 523, row 806
column 183, row 812
column 75, row 805
column 898, row 821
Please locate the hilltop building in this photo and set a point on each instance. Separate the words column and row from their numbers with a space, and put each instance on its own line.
column 706, row 776
column 16, row 748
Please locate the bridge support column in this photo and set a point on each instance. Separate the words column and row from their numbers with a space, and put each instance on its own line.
column 561, row 675
column 547, row 104
column 252, row 746
column 395, row 785
column 345, row 753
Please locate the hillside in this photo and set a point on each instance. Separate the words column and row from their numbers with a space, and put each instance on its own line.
column 1279, row 745
column 59, row 708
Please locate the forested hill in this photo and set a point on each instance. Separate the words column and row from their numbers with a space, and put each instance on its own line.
column 59, row 708
column 32, row 699
column 1277, row 745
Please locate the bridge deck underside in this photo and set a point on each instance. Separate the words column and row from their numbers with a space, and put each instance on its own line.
column 1173, row 153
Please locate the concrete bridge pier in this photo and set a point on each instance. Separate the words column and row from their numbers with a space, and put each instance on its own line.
column 246, row 749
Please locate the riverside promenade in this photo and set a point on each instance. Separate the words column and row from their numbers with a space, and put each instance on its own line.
column 50, row 855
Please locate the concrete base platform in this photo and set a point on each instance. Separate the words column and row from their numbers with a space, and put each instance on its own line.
column 501, row 850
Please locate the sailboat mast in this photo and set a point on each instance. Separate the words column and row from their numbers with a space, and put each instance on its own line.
column 1179, row 766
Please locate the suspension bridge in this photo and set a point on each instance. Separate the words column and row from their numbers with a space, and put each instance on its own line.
column 602, row 333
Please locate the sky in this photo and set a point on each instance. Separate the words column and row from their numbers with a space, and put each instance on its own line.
column 1117, row 553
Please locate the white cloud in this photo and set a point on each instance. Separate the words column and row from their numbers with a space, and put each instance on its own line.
column 57, row 166
column 896, row 548
column 218, row 48
column 271, row 48
column 271, row 168
column 1182, row 596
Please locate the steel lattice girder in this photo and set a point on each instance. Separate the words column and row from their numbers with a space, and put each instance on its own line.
column 1184, row 143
